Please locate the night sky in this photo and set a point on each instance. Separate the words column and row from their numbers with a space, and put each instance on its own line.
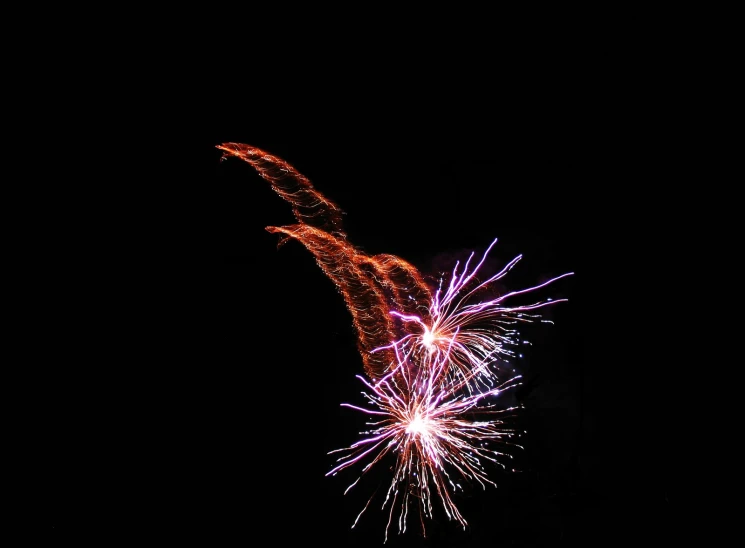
column 244, row 351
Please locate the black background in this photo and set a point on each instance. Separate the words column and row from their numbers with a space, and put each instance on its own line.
column 229, row 358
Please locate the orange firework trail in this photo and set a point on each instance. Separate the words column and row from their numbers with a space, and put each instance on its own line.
column 430, row 354
column 370, row 285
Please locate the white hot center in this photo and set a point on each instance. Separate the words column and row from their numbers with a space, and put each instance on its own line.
column 418, row 425
column 428, row 338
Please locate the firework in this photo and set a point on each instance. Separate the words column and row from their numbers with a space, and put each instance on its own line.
column 468, row 334
column 431, row 355
column 430, row 427
column 370, row 285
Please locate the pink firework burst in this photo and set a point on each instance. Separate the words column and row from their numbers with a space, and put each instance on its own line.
column 437, row 409
column 431, row 358
column 469, row 335
column 430, row 427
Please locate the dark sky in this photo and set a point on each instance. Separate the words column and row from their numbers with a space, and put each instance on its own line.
column 267, row 405
column 229, row 416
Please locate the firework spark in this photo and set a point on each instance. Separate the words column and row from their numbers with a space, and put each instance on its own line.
column 432, row 356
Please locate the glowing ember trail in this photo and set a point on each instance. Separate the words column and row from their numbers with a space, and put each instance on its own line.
column 432, row 355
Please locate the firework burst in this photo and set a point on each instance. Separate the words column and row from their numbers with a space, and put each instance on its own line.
column 441, row 432
column 432, row 357
column 468, row 334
